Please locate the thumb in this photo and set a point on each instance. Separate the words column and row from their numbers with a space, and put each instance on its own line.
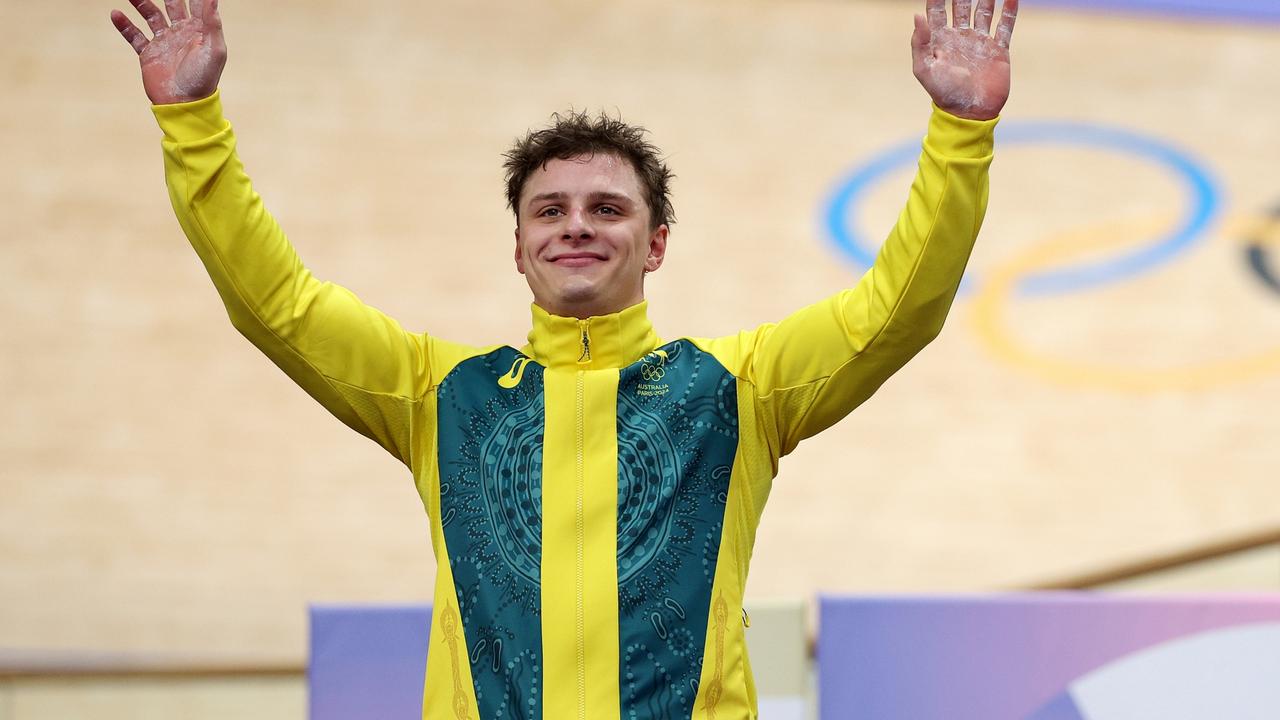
column 212, row 19
column 921, row 37
column 212, row 22
column 205, row 12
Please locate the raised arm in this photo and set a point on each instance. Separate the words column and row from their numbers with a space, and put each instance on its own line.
column 360, row 364
column 821, row 362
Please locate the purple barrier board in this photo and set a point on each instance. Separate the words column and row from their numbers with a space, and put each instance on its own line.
column 367, row 661
column 1240, row 10
column 1049, row 656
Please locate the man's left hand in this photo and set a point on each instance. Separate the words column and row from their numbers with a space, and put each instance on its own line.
column 964, row 68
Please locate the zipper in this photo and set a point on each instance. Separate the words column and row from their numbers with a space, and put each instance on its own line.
column 581, row 531
column 586, row 343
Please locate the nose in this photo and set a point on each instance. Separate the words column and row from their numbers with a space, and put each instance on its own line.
column 578, row 228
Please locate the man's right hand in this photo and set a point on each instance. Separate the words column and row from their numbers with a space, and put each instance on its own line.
column 183, row 60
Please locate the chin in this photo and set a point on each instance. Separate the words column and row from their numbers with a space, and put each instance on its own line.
column 587, row 295
column 578, row 291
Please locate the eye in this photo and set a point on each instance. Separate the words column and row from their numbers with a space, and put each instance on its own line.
column 608, row 210
column 552, row 211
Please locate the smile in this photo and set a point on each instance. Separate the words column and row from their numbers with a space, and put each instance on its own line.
column 577, row 260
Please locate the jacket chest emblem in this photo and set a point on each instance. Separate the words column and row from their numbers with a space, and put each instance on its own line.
column 653, row 368
column 512, row 378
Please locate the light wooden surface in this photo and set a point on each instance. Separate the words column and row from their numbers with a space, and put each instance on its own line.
column 166, row 489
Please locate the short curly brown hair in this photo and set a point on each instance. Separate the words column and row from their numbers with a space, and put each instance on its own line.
column 574, row 134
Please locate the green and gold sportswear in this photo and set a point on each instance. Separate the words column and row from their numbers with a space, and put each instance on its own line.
column 593, row 495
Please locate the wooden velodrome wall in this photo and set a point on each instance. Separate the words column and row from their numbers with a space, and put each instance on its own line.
column 166, row 490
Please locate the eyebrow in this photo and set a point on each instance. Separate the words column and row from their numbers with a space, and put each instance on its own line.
column 595, row 196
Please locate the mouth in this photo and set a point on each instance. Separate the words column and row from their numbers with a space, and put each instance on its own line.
column 577, row 259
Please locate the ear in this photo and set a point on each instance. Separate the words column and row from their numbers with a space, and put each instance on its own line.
column 657, row 248
column 519, row 253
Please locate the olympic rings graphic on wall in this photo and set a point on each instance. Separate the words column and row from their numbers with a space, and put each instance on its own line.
column 1200, row 187
column 1055, row 267
column 991, row 327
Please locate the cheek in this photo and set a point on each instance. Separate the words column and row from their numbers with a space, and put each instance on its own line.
column 530, row 250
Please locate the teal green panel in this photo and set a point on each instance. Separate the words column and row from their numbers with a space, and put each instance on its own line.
column 491, row 512
column 677, row 437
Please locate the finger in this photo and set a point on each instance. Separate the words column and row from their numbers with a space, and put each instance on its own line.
column 982, row 16
column 131, row 34
column 1004, row 31
column 960, row 11
column 151, row 14
column 937, row 12
column 177, row 10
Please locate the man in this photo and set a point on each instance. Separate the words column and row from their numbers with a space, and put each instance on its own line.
column 594, row 495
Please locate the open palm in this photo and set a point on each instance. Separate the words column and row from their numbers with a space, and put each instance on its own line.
column 964, row 69
column 183, row 60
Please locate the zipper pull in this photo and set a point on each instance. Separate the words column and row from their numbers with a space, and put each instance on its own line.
column 586, row 344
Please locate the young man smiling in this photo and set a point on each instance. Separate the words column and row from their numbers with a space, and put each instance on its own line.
column 585, row 237
column 593, row 495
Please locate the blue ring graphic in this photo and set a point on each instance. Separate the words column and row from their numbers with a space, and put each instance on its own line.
column 1199, row 183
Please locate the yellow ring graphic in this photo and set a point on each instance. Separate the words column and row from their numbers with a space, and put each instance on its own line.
column 992, row 329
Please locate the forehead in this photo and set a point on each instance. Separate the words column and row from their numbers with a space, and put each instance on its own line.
column 585, row 174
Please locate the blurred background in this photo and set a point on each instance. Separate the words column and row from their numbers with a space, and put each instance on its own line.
column 1099, row 413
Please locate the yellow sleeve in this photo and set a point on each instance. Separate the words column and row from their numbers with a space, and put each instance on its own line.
column 816, row 366
column 357, row 362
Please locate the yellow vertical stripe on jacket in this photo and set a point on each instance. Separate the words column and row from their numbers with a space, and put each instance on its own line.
column 726, row 690
column 579, row 545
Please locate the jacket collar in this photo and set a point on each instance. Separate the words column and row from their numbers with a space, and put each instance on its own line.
column 594, row 343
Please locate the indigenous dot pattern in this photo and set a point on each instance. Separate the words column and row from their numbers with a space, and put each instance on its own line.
column 490, row 455
column 677, row 437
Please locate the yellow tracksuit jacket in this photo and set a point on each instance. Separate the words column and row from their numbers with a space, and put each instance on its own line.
column 594, row 495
